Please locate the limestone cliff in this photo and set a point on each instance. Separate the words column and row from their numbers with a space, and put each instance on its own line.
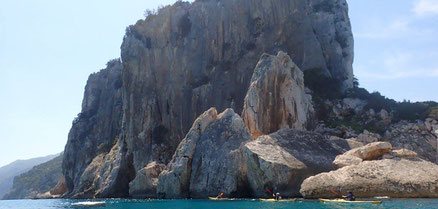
column 98, row 125
column 190, row 57
column 180, row 62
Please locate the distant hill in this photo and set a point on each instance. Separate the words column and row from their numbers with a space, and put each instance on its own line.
column 8, row 172
column 37, row 180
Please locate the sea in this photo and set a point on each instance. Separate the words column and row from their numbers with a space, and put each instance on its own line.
column 211, row 204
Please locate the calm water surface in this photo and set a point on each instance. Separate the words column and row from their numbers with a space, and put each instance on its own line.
column 207, row 204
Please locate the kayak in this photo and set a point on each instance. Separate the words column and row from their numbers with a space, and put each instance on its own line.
column 382, row 197
column 215, row 198
column 274, row 200
column 347, row 201
column 89, row 204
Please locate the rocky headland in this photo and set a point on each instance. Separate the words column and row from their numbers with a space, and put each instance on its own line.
column 241, row 96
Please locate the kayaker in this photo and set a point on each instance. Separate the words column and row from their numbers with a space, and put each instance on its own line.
column 277, row 196
column 220, row 195
column 350, row 197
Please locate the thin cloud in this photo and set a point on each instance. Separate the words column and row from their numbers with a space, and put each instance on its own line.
column 426, row 7
column 379, row 31
column 398, row 28
column 398, row 65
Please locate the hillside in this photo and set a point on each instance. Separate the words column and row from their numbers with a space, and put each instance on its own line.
column 37, row 180
column 8, row 172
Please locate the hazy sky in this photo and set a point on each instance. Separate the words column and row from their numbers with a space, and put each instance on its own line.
column 49, row 47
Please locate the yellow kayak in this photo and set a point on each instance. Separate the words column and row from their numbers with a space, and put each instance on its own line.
column 347, row 201
column 274, row 200
column 215, row 198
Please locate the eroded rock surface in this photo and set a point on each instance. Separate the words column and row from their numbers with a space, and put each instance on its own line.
column 103, row 176
column 208, row 161
column 276, row 97
column 396, row 177
column 97, row 126
column 146, row 180
column 404, row 153
column 418, row 137
column 187, row 58
column 282, row 160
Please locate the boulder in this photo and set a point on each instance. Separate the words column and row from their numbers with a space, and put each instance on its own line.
column 276, row 97
column 401, row 178
column 145, row 183
column 370, row 151
column 346, row 160
column 282, row 160
column 353, row 103
column 384, row 115
column 46, row 195
column 209, row 160
column 404, row 153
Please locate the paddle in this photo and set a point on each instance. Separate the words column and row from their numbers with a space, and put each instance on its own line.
column 334, row 192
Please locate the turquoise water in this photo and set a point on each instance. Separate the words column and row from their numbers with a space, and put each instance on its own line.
column 208, row 204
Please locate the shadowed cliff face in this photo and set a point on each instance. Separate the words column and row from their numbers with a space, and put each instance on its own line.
column 97, row 126
column 190, row 57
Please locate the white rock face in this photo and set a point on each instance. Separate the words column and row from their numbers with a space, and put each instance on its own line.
column 276, row 97
column 396, row 177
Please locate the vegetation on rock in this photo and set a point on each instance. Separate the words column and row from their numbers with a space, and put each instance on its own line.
column 38, row 180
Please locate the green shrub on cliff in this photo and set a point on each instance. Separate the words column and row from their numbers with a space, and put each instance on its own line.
column 405, row 110
column 322, row 85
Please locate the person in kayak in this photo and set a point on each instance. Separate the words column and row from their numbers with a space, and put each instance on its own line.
column 276, row 196
column 220, row 195
column 350, row 197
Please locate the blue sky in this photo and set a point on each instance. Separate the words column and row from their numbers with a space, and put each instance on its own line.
column 396, row 47
column 49, row 47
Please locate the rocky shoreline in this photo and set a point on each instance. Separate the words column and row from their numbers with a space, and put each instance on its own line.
column 243, row 156
column 244, row 97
